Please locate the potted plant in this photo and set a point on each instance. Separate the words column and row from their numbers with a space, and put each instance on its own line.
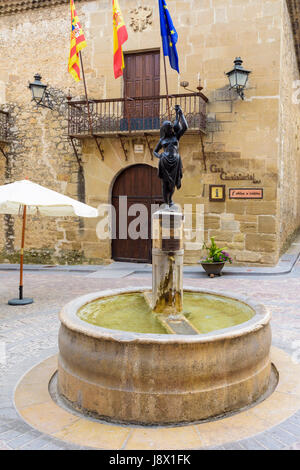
column 215, row 260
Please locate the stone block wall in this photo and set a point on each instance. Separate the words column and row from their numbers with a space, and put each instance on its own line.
column 289, row 137
column 38, row 41
column 41, row 152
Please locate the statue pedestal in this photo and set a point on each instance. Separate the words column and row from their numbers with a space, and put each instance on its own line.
column 167, row 261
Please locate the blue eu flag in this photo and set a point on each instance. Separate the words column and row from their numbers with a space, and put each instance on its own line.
column 168, row 34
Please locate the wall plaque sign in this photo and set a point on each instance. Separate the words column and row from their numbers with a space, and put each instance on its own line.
column 217, row 193
column 138, row 148
column 246, row 193
column 224, row 176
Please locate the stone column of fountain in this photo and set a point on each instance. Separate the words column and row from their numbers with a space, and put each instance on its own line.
column 167, row 261
column 167, row 269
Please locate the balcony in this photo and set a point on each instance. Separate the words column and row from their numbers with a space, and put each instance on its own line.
column 134, row 116
column 4, row 116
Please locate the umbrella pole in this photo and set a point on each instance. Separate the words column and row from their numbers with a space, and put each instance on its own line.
column 22, row 254
column 21, row 300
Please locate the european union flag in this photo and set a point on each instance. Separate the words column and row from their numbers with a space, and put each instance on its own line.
column 168, row 34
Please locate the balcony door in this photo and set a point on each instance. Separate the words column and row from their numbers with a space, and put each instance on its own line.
column 142, row 79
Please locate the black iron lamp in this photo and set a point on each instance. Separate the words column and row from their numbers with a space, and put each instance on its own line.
column 39, row 92
column 238, row 77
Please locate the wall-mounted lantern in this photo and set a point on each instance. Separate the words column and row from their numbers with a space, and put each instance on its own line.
column 238, row 77
column 39, row 93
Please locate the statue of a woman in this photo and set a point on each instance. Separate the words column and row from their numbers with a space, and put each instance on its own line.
column 170, row 164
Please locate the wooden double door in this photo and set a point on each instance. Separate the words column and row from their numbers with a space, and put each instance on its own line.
column 141, row 185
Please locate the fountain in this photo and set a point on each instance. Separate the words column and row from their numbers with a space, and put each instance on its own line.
column 170, row 355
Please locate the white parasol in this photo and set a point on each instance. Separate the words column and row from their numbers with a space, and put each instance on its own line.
column 33, row 199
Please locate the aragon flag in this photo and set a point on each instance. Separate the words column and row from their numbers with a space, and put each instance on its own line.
column 120, row 36
column 77, row 44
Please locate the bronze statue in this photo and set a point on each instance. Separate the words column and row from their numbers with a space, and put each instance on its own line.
column 170, row 164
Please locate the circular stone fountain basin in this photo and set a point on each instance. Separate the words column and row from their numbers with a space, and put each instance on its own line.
column 131, row 312
column 153, row 376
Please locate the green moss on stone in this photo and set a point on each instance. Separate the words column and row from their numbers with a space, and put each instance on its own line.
column 48, row 256
column 30, row 256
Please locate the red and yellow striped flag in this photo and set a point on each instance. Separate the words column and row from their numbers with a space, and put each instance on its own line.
column 77, row 43
column 120, row 36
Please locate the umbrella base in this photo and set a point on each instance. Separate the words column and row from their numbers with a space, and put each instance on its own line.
column 25, row 301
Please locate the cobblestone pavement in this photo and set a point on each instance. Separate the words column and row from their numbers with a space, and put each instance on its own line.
column 28, row 335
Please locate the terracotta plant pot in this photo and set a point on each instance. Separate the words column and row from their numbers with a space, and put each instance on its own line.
column 213, row 269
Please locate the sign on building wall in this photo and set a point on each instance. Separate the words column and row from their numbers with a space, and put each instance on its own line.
column 138, row 148
column 217, row 193
column 246, row 193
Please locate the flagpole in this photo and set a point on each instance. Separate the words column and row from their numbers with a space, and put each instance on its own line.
column 86, row 95
column 167, row 88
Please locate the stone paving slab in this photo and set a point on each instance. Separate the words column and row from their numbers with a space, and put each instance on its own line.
column 4, row 446
column 110, row 273
column 131, row 266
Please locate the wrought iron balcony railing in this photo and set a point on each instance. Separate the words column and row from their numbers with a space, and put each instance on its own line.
column 3, row 126
column 127, row 116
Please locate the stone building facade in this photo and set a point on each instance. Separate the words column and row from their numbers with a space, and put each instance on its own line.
column 247, row 144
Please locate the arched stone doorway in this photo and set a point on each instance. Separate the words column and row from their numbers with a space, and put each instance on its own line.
column 141, row 185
